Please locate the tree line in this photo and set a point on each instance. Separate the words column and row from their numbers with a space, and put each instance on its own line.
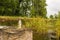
column 56, row 16
column 29, row 8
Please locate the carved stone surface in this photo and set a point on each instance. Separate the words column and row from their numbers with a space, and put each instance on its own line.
column 13, row 34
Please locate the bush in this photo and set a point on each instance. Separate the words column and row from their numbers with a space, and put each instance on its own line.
column 40, row 26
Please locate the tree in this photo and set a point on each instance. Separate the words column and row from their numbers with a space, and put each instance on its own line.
column 58, row 15
column 38, row 8
column 51, row 16
column 8, row 7
column 25, row 7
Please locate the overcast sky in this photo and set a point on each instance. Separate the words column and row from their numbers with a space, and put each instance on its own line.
column 53, row 7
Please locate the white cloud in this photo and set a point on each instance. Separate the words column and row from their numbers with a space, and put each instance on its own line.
column 53, row 7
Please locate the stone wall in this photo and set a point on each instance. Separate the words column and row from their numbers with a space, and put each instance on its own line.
column 13, row 34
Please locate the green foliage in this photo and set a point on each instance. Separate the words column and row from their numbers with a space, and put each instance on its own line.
column 27, row 8
column 58, row 15
column 51, row 16
column 41, row 26
column 8, row 23
column 15, row 7
column 40, row 36
column 8, row 7
column 39, row 23
column 38, row 8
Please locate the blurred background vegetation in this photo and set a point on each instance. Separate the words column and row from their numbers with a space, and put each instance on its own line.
column 33, row 15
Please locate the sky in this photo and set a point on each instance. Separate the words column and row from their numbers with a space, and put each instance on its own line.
column 53, row 7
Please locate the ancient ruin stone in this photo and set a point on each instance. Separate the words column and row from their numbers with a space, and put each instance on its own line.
column 14, row 34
